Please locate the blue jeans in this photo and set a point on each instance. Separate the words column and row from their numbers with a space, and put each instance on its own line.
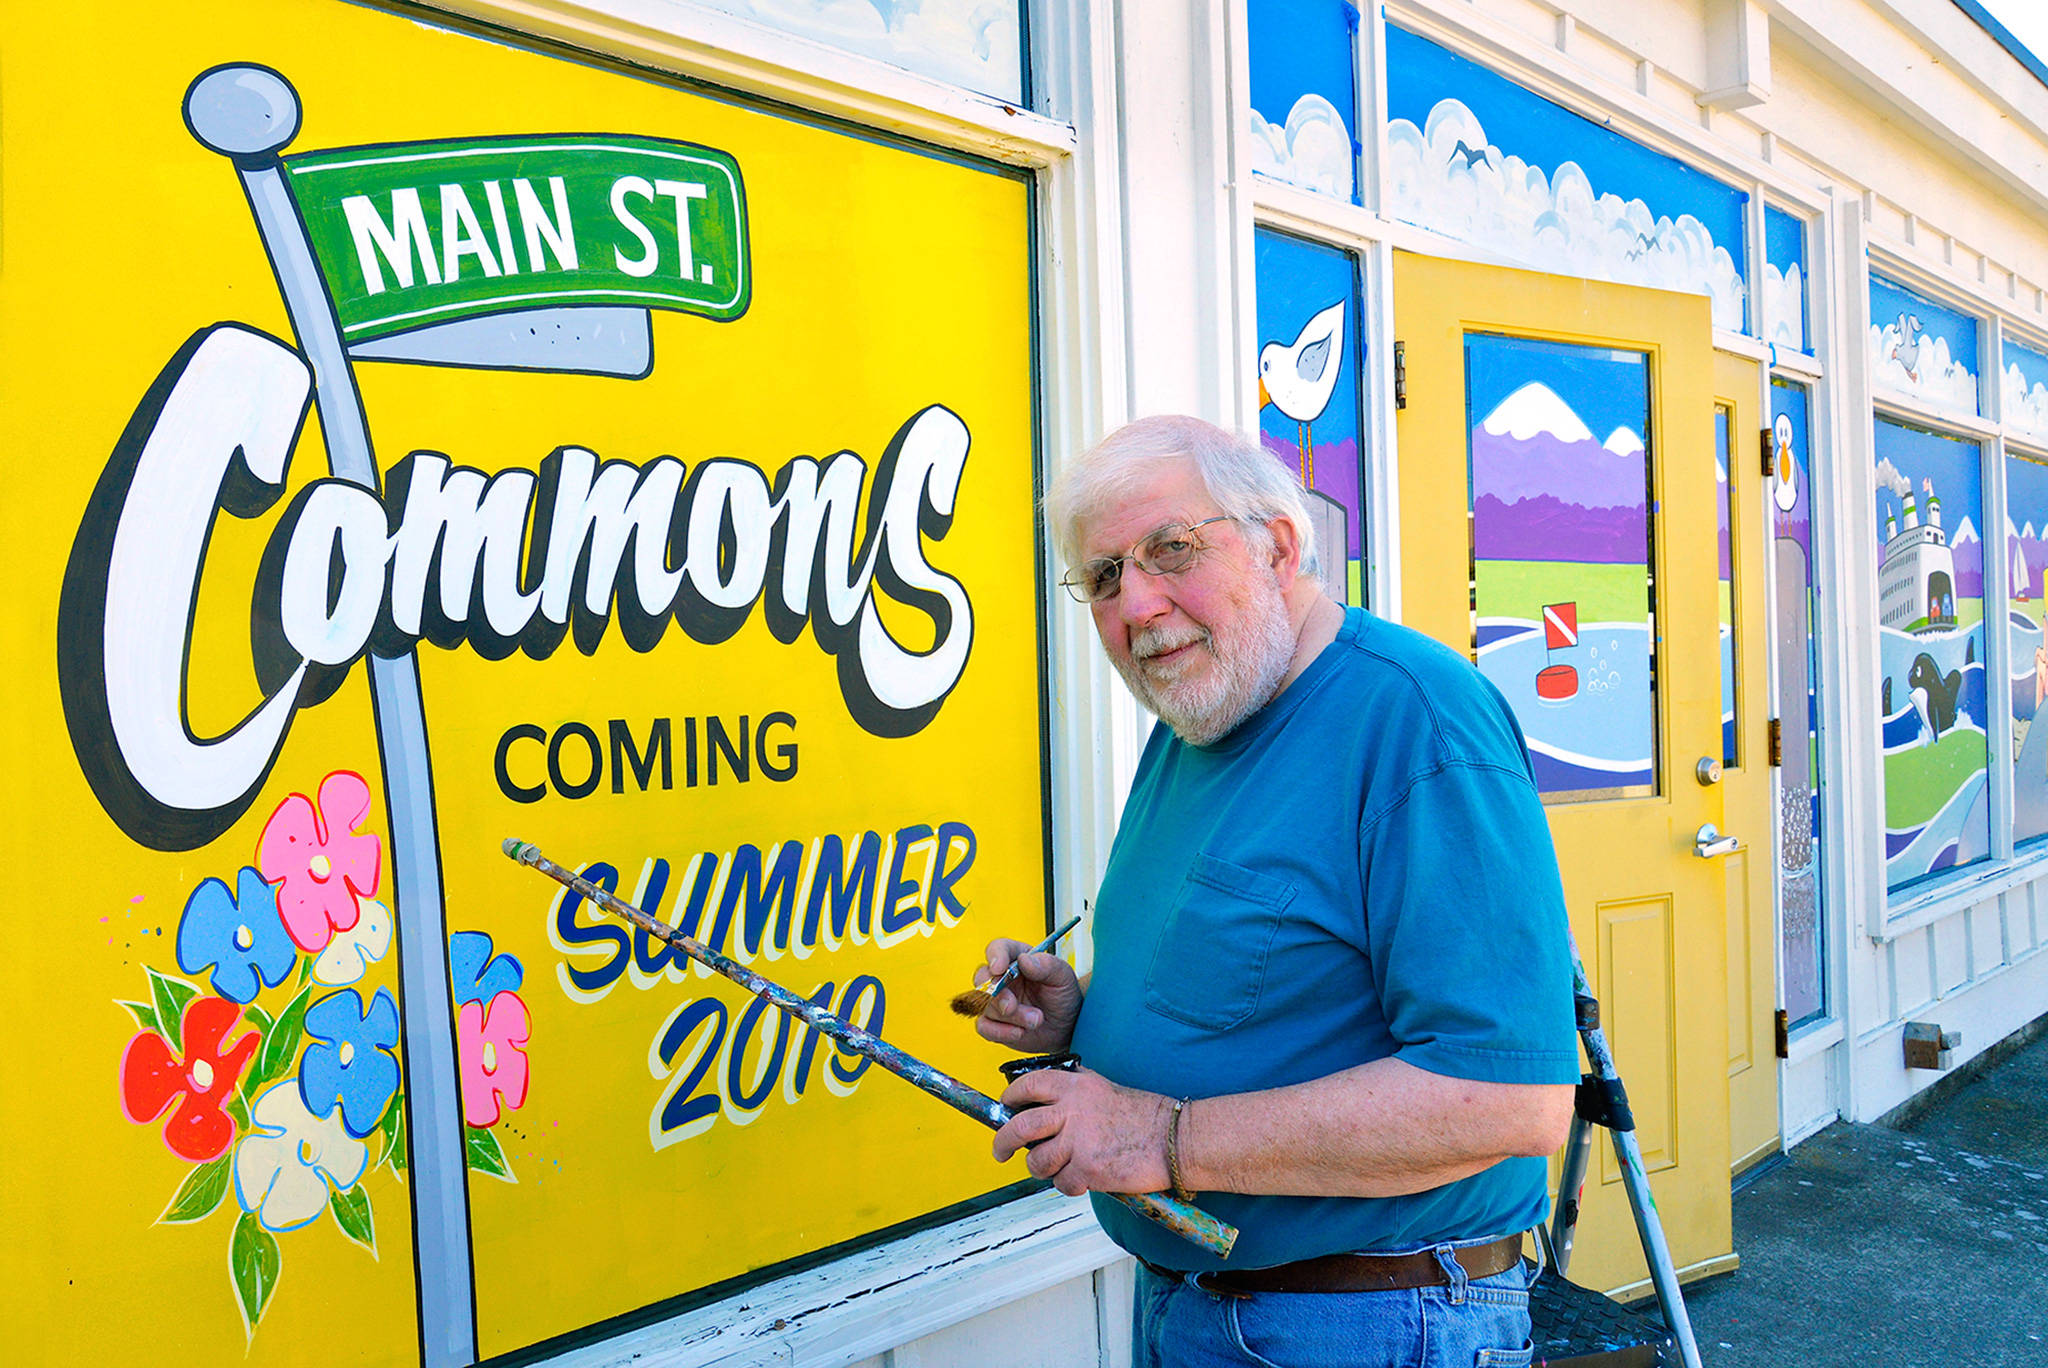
column 1473, row 1323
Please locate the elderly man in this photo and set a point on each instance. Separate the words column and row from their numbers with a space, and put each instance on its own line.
column 1331, row 998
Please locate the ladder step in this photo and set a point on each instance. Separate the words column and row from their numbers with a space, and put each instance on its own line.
column 1576, row 1327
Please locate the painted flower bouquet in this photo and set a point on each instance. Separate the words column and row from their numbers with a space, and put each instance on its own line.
column 277, row 1078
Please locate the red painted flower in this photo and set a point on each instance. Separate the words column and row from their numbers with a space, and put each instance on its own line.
column 491, row 1042
column 319, row 864
column 152, row 1078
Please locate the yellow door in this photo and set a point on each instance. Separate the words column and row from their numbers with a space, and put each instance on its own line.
column 1557, row 499
column 1746, row 776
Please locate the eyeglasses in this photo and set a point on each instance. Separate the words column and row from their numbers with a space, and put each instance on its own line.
column 1169, row 550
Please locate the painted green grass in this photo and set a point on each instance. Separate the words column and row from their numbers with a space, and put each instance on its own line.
column 1918, row 781
column 1604, row 593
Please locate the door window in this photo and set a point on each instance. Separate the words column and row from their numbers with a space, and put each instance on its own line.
column 1562, row 572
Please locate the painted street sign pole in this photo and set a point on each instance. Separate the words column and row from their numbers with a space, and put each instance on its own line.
column 249, row 114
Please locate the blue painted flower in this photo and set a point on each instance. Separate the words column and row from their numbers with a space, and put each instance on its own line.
column 237, row 933
column 478, row 975
column 350, row 1059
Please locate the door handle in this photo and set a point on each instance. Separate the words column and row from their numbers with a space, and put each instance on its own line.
column 1707, row 842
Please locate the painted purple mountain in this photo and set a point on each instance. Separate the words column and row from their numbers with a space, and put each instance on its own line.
column 1336, row 473
column 1548, row 529
column 1545, row 489
column 1968, row 551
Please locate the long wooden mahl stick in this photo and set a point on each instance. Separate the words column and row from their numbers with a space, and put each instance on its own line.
column 1189, row 1222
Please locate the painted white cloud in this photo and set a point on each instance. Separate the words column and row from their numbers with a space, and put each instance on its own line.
column 972, row 43
column 1449, row 178
column 1917, row 365
column 2025, row 406
column 1785, row 306
column 1312, row 150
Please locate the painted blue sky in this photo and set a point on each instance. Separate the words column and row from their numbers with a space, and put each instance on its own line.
column 1522, row 124
column 1784, row 239
column 2026, row 493
column 1298, row 46
column 1959, row 330
column 1955, row 466
column 1607, row 389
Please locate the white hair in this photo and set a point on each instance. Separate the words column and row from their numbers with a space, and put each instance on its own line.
column 1244, row 479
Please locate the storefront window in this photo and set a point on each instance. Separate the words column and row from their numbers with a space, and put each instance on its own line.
column 1784, row 282
column 1930, row 578
column 1304, row 97
column 1795, row 632
column 1921, row 351
column 1309, row 408
column 2026, row 560
column 1481, row 160
column 2025, row 391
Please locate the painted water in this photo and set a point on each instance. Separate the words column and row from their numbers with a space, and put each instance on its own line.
column 1604, row 736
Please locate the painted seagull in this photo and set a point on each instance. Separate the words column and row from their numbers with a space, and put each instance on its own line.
column 1298, row 377
column 1906, row 351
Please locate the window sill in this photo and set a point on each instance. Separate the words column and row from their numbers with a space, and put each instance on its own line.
column 1812, row 1039
column 875, row 1300
column 1923, row 906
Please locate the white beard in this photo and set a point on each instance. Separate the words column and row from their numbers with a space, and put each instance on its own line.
column 1247, row 666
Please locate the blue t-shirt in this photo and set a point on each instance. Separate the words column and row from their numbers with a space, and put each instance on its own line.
column 1361, row 869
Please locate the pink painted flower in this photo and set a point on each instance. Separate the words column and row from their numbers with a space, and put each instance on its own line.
column 152, row 1078
column 318, row 862
column 490, row 1040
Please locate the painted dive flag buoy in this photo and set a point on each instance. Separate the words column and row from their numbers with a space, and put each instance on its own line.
column 1560, row 630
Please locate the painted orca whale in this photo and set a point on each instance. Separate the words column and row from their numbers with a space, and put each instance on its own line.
column 1934, row 694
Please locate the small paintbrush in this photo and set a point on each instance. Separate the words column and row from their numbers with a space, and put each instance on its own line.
column 975, row 1001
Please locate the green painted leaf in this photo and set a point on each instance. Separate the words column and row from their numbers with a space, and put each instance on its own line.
column 281, row 1046
column 387, row 1126
column 352, row 1214
column 486, row 1156
column 262, row 1020
column 200, row 1194
column 145, row 1016
column 254, row 1263
column 170, row 996
column 395, row 1154
column 305, row 972
column 239, row 1109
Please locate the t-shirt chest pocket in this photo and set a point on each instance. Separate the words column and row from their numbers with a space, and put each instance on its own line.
column 1210, row 964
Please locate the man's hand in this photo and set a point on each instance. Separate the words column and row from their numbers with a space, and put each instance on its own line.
column 1036, row 1014
column 1086, row 1133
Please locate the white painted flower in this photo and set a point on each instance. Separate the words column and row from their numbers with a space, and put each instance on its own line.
column 286, row 1166
column 350, row 953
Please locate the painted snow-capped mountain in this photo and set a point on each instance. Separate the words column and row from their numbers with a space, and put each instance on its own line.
column 1545, row 489
column 1968, row 549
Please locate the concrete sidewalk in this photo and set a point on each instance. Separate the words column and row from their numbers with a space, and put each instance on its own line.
column 1918, row 1245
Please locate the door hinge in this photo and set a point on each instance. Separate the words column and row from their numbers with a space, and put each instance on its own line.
column 1400, row 374
column 1770, row 451
column 1784, row 1029
column 1774, row 743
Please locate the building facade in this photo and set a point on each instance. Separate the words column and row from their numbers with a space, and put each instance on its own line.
column 411, row 461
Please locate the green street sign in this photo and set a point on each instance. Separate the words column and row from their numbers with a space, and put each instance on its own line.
column 417, row 234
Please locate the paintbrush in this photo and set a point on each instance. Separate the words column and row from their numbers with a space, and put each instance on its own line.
column 1183, row 1219
column 975, row 1001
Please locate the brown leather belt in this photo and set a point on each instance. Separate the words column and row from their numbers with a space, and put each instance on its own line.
column 1359, row 1272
